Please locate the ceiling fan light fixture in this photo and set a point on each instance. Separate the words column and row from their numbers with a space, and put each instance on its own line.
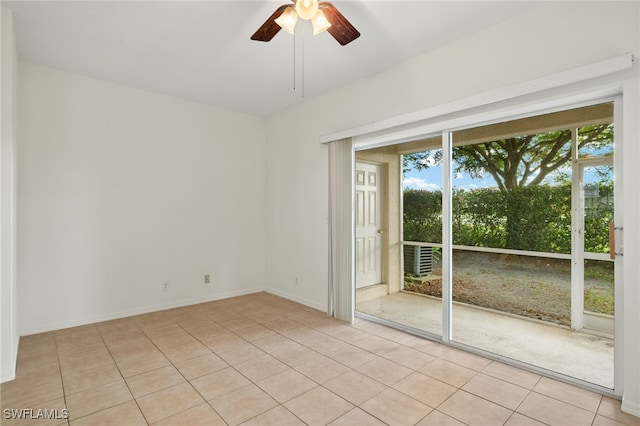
column 320, row 23
column 306, row 9
column 287, row 20
column 323, row 16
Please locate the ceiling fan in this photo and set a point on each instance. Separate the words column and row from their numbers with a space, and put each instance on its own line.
column 323, row 16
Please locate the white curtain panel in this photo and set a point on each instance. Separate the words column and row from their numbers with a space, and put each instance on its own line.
column 341, row 273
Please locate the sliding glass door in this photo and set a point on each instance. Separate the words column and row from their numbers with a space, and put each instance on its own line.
column 507, row 236
column 532, row 280
column 408, row 289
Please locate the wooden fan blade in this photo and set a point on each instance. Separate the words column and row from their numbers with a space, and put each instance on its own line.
column 340, row 28
column 269, row 29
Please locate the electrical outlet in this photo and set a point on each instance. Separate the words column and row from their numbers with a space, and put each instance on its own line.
column 165, row 286
column 207, row 279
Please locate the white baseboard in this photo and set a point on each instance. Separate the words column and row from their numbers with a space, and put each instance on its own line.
column 9, row 375
column 297, row 299
column 139, row 311
column 630, row 407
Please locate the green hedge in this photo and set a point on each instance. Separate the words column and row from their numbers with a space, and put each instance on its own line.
column 535, row 218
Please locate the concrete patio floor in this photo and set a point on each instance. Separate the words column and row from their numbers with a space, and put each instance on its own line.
column 579, row 355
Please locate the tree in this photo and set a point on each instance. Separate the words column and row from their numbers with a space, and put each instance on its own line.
column 518, row 161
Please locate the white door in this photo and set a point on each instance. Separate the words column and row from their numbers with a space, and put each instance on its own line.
column 368, row 225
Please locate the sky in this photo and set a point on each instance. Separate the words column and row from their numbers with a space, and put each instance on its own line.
column 431, row 180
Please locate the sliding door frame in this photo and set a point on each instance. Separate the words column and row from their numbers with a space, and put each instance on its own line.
column 446, row 128
column 554, row 92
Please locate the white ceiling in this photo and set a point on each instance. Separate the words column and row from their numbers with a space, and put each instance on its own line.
column 201, row 51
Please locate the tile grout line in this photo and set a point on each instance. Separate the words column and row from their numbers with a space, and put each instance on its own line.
column 216, row 354
column 64, row 394
column 294, row 369
column 354, row 369
column 310, row 322
column 381, row 357
column 281, row 404
column 529, row 391
column 189, row 381
column 122, row 375
column 179, row 372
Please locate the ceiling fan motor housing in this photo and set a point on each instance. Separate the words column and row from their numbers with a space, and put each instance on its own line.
column 306, row 9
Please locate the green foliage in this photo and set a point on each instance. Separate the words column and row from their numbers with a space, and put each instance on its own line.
column 539, row 219
column 421, row 160
column 422, row 215
column 598, row 214
column 535, row 218
column 479, row 218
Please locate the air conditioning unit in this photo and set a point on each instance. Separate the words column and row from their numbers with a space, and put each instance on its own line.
column 418, row 260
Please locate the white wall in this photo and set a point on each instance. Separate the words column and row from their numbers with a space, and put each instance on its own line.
column 122, row 189
column 552, row 38
column 8, row 318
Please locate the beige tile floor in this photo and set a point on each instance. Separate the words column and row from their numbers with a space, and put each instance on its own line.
column 263, row 360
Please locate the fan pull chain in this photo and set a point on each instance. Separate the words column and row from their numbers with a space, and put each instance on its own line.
column 301, row 60
column 302, row 77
